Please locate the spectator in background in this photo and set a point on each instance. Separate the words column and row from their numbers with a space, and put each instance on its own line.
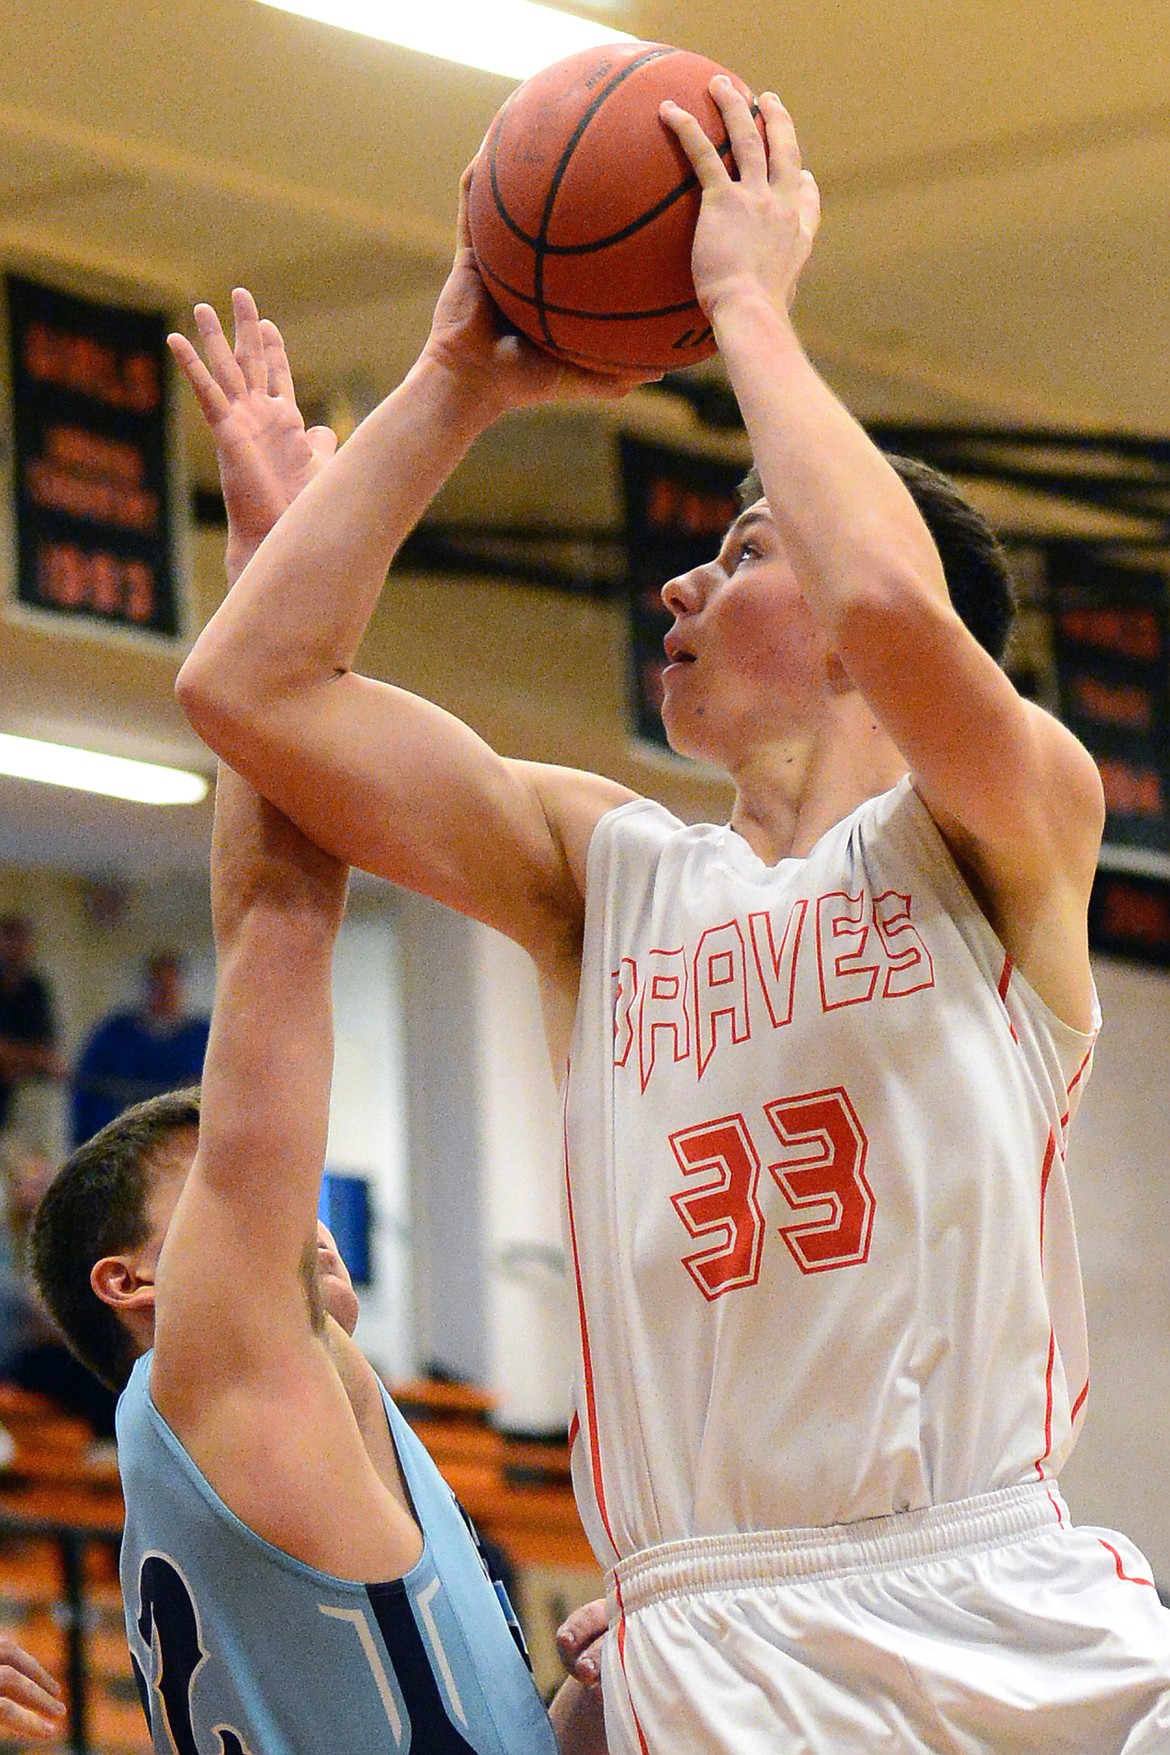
column 33, row 1353
column 132, row 1055
column 28, row 1034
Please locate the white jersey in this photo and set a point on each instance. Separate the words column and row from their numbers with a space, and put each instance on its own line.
column 817, row 1207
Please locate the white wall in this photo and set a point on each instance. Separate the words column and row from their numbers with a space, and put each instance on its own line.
column 1119, row 1168
column 530, row 1322
column 367, row 1122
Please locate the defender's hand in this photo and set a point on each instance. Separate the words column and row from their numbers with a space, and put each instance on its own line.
column 30, row 1700
column 579, row 1642
column 247, row 397
column 754, row 234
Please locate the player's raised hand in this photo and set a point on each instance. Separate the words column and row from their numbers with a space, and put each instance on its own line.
column 30, row 1700
column 755, row 231
column 246, row 393
column 470, row 336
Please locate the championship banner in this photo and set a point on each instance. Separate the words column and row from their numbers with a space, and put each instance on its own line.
column 1129, row 916
column 92, row 496
column 1111, row 642
column 678, row 506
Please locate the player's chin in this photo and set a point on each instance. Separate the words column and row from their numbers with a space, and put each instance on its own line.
column 684, row 730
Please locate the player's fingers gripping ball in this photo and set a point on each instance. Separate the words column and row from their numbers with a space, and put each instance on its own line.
column 582, row 208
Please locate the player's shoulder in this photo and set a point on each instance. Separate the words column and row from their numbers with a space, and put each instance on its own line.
column 1067, row 764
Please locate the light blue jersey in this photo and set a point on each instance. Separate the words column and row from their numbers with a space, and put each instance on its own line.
column 239, row 1649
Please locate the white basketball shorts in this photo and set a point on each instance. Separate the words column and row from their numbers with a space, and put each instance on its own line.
column 986, row 1627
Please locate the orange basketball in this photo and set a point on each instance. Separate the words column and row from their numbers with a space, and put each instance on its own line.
column 583, row 207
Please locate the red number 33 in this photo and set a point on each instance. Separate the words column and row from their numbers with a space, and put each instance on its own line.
column 821, row 1165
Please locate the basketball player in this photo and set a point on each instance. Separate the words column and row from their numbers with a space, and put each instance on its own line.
column 296, row 1575
column 820, row 1063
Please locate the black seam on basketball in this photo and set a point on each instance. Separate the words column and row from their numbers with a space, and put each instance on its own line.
column 541, row 242
column 688, row 183
column 590, row 316
column 635, row 225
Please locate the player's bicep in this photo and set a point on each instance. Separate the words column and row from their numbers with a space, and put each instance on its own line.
column 397, row 786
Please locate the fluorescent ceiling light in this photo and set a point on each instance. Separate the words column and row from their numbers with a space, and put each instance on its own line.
column 512, row 37
column 58, row 764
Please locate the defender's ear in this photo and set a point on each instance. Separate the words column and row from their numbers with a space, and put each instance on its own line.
column 121, row 1284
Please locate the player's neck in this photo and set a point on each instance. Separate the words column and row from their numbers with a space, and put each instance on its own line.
column 790, row 794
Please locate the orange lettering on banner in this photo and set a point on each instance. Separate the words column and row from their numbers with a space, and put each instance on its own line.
column 1131, row 633
column 1131, row 791
column 671, row 505
column 86, row 476
column 1113, row 703
column 71, row 578
column 128, row 381
column 1136, row 914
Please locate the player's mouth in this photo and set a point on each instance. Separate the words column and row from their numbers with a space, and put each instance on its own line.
column 676, row 652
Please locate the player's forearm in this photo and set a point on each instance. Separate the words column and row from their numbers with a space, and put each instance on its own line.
column 296, row 615
column 268, row 877
column 277, row 902
column 847, row 522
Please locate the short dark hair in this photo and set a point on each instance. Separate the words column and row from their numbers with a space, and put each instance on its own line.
column 975, row 566
column 95, row 1206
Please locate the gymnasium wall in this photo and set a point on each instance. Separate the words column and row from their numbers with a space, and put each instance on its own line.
column 1119, row 1169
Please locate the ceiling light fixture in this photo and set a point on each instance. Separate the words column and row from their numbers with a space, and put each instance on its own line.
column 59, row 764
column 510, row 37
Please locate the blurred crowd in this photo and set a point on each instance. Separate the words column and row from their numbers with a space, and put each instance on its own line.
column 133, row 1052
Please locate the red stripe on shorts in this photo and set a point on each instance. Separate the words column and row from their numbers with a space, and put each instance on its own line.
column 621, row 1645
column 1127, row 1577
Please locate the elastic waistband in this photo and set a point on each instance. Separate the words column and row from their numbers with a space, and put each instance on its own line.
column 874, row 1544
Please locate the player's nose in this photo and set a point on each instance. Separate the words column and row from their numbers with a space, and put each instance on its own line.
column 686, row 592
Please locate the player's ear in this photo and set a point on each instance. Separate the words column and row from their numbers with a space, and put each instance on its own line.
column 122, row 1283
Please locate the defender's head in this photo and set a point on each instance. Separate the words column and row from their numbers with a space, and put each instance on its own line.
column 99, row 1228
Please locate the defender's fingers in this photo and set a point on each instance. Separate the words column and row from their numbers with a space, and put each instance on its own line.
column 221, row 361
column 783, row 146
column 213, row 402
column 751, row 156
column 580, row 1631
column 249, row 348
column 19, row 1721
column 14, row 1660
column 279, row 372
column 695, row 142
column 323, row 440
column 26, row 1708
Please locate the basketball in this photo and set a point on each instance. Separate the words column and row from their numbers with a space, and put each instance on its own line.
column 583, row 206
